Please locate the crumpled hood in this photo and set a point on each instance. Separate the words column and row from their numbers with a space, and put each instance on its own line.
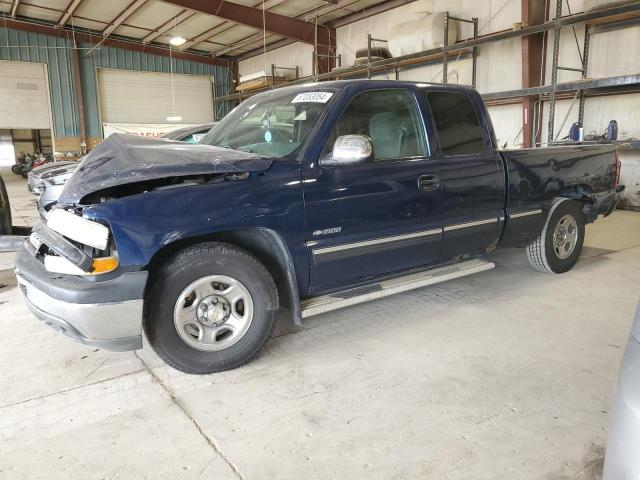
column 123, row 159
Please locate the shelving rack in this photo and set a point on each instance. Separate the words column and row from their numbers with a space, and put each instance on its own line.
column 275, row 69
column 610, row 18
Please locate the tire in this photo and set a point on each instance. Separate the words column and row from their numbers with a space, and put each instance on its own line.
column 365, row 60
column 5, row 211
column 549, row 256
column 186, row 301
column 15, row 168
column 381, row 52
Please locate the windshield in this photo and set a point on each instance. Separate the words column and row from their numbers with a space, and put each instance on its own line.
column 275, row 124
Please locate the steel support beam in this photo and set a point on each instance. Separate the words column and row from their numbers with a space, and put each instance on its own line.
column 224, row 26
column 585, row 69
column 321, row 11
column 126, row 13
column 165, row 27
column 362, row 13
column 112, row 42
column 270, row 46
column 75, row 61
column 253, row 17
column 620, row 83
column 554, row 73
column 14, row 8
column 533, row 13
column 68, row 12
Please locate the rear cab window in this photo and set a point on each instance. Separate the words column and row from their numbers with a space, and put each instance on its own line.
column 457, row 124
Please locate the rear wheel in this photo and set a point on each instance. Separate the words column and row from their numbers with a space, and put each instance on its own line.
column 558, row 247
column 211, row 308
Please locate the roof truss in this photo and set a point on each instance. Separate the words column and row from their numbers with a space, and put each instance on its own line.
column 68, row 12
column 253, row 17
column 126, row 13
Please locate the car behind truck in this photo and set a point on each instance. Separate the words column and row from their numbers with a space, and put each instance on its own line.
column 309, row 198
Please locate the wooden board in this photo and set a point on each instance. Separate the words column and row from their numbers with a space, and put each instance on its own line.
column 262, row 82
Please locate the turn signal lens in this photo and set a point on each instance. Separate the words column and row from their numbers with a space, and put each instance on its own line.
column 104, row 265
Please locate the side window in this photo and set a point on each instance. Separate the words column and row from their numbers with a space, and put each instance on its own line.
column 459, row 129
column 390, row 118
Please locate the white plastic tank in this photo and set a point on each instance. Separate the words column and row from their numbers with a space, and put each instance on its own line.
column 424, row 32
column 598, row 4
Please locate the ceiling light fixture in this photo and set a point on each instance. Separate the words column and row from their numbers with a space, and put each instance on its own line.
column 177, row 41
column 173, row 117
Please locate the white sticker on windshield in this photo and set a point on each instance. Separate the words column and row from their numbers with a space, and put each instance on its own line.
column 312, row 97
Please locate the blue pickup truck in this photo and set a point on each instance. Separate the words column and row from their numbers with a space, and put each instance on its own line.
column 304, row 198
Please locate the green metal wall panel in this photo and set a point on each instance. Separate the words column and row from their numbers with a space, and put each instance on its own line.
column 20, row 46
column 55, row 52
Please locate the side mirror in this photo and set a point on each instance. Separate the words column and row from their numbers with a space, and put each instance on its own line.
column 349, row 150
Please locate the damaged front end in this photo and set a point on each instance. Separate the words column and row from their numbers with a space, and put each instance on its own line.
column 126, row 165
column 68, row 243
column 68, row 273
column 76, row 270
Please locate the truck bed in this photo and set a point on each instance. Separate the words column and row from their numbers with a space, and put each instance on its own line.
column 534, row 176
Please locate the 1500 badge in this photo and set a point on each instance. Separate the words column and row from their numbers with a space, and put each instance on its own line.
column 327, row 231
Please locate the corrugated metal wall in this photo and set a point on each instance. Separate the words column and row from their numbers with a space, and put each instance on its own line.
column 54, row 52
column 22, row 46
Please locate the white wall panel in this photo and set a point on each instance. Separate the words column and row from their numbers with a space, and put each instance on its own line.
column 623, row 108
column 499, row 65
column 297, row 54
column 507, row 123
column 598, row 111
column 614, row 53
column 562, row 107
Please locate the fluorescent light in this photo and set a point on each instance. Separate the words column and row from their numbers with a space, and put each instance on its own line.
column 177, row 41
column 176, row 118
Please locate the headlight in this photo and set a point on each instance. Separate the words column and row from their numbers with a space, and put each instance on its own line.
column 79, row 229
column 38, row 187
column 58, row 180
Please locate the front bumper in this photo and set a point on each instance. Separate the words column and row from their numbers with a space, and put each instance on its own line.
column 102, row 313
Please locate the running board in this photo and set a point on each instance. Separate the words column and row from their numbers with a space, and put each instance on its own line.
column 346, row 298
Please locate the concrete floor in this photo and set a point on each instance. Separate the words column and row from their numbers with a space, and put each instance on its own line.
column 505, row 374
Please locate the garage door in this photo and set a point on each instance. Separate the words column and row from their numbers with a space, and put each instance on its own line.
column 24, row 96
column 142, row 97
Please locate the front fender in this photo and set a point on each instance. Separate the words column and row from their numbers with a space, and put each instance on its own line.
column 144, row 223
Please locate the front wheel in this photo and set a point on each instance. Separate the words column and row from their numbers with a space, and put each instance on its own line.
column 558, row 247
column 211, row 308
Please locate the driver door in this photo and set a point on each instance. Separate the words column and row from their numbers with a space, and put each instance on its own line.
column 373, row 219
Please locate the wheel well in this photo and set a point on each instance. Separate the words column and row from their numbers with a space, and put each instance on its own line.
column 583, row 194
column 266, row 245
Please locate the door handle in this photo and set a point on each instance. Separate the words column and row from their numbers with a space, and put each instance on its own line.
column 428, row 183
